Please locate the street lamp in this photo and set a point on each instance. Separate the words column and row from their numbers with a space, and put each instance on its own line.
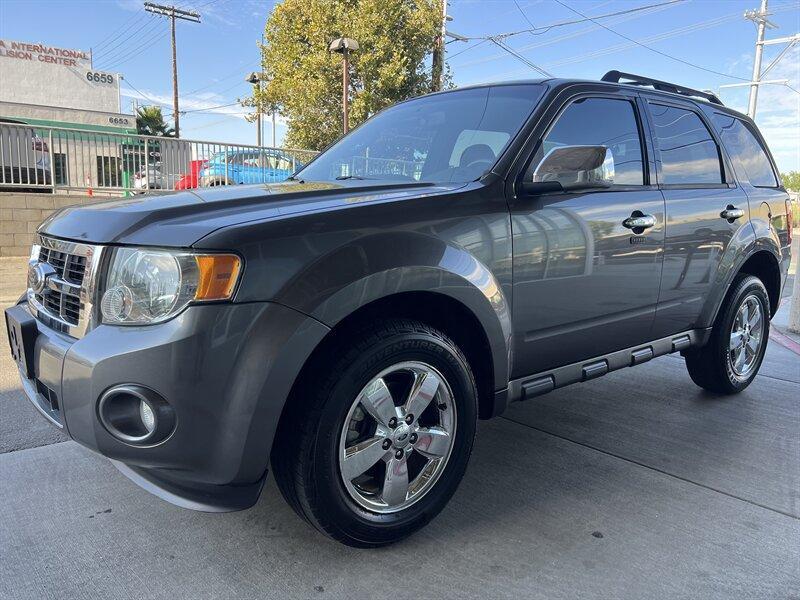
column 255, row 79
column 344, row 46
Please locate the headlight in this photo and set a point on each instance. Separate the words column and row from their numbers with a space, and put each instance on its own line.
column 150, row 286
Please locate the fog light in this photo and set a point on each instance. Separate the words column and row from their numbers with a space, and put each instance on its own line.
column 136, row 415
column 147, row 416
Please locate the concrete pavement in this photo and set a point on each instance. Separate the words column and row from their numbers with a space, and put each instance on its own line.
column 635, row 485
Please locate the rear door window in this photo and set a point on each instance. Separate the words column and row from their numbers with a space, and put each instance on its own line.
column 748, row 155
column 689, row 154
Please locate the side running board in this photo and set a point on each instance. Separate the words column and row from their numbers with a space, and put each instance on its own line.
column 531, row 386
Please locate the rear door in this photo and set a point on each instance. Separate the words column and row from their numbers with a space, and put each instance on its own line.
column 769, row 202
column 705, row 210
column 584, row 284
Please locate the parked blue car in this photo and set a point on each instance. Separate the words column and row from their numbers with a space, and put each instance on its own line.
column 248, row 166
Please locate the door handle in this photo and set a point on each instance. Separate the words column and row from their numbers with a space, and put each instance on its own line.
column 732, row 213
column 639, row 222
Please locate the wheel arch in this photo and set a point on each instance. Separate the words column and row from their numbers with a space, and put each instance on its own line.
column 764, row 265
column 436, row 309
column 761, row 261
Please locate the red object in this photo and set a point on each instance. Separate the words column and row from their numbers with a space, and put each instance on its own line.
column 191, row 180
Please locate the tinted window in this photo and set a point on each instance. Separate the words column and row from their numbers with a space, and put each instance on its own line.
column 748, row 155
column 689, row 154
column 496, row 140
column 601, row 122
column 452, row 137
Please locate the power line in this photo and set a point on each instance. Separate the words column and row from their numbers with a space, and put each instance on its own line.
column 118, row 32
column 226, row 78
column 110, row 51
column 568, row 36
column 524, row 16
column 473, row 46
column 143, row 95
column 520, row 57
column 225, row 119
column 645, row 46
column 577, row 58
column 546, row 28
column 207, row 108
column 135, row 52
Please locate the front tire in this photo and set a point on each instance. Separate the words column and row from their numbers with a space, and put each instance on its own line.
column 379, row 434
column 730, row 360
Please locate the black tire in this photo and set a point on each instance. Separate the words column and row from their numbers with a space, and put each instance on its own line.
column 305, row 455
column 711, row 367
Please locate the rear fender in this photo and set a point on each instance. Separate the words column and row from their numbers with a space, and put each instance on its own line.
column 742, row 246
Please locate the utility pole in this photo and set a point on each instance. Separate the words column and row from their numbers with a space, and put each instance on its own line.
column 437, row 63
column 173, row 13
column 760, row 19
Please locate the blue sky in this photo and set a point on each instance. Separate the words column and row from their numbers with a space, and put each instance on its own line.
column 214, row 56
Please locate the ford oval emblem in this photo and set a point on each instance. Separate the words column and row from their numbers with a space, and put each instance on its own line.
column 38, row 274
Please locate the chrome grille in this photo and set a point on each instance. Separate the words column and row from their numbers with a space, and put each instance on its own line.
column 63, row 299
column 71, row 267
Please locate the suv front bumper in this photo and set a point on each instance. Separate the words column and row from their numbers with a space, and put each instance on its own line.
column 226, row 371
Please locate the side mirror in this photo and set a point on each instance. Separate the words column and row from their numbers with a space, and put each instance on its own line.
column 569, row 168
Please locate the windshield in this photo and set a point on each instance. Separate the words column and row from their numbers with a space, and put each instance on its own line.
column 443, row 138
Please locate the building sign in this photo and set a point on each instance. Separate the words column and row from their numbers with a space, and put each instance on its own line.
column 45, row 54
column 38, row 74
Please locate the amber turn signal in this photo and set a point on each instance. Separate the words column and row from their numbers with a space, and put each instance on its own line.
column 217, row 276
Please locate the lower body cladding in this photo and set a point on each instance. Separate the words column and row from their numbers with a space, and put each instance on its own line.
column 188, row 408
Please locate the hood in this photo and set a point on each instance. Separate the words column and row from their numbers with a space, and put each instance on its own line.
column 181, row 219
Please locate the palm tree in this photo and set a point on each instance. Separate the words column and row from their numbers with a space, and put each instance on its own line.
column 150, row 121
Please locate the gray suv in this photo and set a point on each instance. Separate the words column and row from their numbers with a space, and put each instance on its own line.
column 347, row 327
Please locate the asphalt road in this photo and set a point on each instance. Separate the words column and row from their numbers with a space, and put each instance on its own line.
column 635, row 485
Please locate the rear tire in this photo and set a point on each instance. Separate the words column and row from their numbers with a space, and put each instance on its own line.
column 358, row 401
column 730, row 360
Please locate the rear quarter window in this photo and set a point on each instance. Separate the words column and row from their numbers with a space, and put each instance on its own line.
column 748, row 155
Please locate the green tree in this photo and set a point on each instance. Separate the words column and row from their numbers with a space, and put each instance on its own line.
column 150, row 121
column 396, row 40
column 791, row 180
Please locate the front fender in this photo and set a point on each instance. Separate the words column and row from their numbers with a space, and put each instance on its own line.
column 379, row 266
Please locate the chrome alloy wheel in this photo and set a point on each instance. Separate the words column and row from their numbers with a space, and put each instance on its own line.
column 747, row 336
column 397, row 437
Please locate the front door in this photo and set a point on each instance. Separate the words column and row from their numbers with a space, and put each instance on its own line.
column 584, row 283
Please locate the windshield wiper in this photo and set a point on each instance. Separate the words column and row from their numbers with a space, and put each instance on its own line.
column 293, row 178
column 343, row 177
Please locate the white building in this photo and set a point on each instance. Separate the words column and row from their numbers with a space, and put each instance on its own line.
column 49, row 86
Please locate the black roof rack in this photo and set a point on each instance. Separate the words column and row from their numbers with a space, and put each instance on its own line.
column 664, row 86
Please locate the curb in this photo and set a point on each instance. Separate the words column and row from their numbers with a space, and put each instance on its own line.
column 776, row 335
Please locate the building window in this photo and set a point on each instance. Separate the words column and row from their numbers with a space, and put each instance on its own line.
column 108, row 174
column 60, row 168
